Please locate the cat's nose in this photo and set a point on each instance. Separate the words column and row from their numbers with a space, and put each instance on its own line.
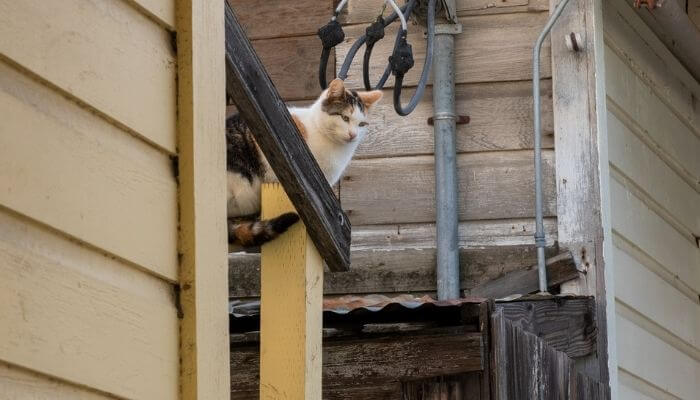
column 351, row 136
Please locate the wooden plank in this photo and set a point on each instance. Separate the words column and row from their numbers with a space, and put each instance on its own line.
column 394, row 259
column 292, row 64
column 636, row 282
column 18, row 383
column 694, row 12
column 633, row 44
column 565, row 324
column 365, row 11
column 661, row 127
column 62, row 304
column 108, row 57
column 282, row 18
column 581, row 160
column 492, row 185
column 203, row 293
column 65, row 167
column 262, row 109
column 560, row 268
column 291, row 309
column 354, row 367
column 491, row 48
column 651, row 359
column 634, row 221
column 634, row 161
column 162, row 11
column 500, row 113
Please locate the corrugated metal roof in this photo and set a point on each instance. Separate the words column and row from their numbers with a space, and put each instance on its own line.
column 245, row 314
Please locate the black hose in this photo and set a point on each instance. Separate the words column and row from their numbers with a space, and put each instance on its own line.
column 398, row 83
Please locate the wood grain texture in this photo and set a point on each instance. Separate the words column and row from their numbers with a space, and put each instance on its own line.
column 566, row 324
column 201, row 98
column 72, row 313
column 262, row 109
column 354, row 368
column 560, row 268
column 18, row 383
column 106, row 55
column 365, row 11
column 694, row 12
column 395, row 259
column 491, row 48
column 292, row 64
column 65, row 167
column 162, row 11
column 291, row 309
column 491, row 186
column 282, row 18
column 500, row 119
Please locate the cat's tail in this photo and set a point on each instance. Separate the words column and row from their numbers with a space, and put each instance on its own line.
column 257, row 233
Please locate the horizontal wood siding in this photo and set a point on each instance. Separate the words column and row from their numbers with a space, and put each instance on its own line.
column 388, row 190
column 654, row 147
column 88, row 200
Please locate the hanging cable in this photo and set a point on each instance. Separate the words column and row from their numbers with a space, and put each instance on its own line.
column 331, row 35
column 402, row 60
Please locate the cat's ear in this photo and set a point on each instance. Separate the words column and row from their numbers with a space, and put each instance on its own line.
column 371, row 97
column 336, row 90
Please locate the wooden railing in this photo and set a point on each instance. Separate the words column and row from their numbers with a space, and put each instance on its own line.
column 292, row 265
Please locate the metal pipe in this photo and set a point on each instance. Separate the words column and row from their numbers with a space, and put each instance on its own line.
column 445, row 167
column 540, row 239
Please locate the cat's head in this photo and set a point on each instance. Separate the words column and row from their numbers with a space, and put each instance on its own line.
column 345, row 113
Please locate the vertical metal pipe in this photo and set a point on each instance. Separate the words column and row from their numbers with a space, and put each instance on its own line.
column 540, row 239
column 445, row 167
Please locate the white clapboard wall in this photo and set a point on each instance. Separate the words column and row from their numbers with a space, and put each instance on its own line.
column 654, row 152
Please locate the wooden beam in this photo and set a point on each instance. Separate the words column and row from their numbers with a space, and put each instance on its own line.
column 291, row 308
column 581, row 158
column 560, row 269
column 202, row 199
column 262, row 109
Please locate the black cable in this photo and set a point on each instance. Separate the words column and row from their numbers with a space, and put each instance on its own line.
column 402, row 60
column 331, row 35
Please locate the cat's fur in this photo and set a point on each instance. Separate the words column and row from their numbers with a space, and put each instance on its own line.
column 332, row 127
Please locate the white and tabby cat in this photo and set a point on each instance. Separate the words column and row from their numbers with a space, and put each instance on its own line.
column 332, row 127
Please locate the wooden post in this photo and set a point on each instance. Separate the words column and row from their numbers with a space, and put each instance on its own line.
column 291, row 308
column 204, row 340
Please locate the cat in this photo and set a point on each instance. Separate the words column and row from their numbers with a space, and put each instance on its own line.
column 333, row 126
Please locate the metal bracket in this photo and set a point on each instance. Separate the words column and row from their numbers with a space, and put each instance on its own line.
column 459, row 119
column 448, row 29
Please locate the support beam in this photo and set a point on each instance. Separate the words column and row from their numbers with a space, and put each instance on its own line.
column 291, row 308
column 261, row 107
column 202, row 197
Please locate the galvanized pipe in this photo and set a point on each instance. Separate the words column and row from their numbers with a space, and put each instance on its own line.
column 540, row 239
column 445, row 166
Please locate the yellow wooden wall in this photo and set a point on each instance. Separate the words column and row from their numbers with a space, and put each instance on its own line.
column 89, row 198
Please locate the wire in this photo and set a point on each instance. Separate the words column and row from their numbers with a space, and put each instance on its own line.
column 338, row 9
column 397, row 10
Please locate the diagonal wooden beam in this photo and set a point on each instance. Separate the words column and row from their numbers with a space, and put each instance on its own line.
column 261, row 107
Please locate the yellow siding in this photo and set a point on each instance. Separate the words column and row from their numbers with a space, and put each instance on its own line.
column 104, row 53
column 89, row 203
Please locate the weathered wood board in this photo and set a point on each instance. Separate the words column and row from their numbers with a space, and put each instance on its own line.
column 491, row 186
column 113, row 190
column 394, row 259
column 352, row 368
column 500, row 119
column 162, row 11
column 491, row 48
column 282, row 18
column 120, row 52
column 292, row 63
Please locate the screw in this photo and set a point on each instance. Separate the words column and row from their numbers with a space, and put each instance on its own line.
column 574, row 42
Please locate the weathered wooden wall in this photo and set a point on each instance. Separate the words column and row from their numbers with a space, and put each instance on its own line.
column 89, row 199
column 654, row 151
column 388, row 190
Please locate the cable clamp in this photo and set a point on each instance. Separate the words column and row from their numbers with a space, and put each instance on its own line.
column 448, row 29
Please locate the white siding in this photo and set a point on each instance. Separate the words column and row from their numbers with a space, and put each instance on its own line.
column 654, row 153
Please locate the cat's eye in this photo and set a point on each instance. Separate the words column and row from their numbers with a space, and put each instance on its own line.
column 345, row 118
column 363, row 124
